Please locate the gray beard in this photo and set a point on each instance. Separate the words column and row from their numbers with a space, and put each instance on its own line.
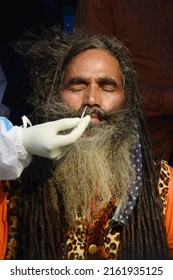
column 97, row 166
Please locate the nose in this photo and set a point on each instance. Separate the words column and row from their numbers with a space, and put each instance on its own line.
column 92, row 97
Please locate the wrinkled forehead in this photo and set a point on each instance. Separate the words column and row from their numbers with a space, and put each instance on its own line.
column 92, row 61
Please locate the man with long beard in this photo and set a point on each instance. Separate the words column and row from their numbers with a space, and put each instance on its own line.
column 103, row 199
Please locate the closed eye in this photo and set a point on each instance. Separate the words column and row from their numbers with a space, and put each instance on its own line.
column 108, row 84
column 108, row 88
column 76, row 88
column 75, row 84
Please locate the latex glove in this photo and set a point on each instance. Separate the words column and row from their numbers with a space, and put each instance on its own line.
column 43, row 139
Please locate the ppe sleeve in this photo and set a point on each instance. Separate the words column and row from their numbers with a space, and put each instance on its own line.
column 13, row 156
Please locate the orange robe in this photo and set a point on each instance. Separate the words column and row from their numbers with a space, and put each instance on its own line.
column 3, row 223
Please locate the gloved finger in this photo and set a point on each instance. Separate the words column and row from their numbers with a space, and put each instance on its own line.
column 64, row 150
column 75, row 133
column 67, row 123
column 79, row 130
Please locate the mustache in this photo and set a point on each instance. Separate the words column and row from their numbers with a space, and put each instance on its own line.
column 101, row 114
column 105, row 117
column 58, row 110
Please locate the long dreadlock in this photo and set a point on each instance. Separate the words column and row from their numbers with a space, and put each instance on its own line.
column 41, row 223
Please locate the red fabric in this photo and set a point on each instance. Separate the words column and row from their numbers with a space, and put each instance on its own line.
column 146, row 28
column 3, row 223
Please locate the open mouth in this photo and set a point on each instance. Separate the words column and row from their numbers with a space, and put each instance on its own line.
column 94, row 118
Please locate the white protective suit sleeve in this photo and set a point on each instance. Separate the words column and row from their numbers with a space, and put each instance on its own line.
column 13, row 156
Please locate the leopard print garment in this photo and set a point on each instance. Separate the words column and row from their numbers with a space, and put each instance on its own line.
column 163, row 183
column 81, row 243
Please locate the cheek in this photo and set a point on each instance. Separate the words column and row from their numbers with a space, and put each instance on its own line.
column 70, row 100
column 113, row 102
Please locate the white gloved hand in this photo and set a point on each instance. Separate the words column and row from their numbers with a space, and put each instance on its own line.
column 43, row 139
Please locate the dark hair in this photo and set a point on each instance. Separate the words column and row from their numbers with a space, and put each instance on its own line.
column 47, row 57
